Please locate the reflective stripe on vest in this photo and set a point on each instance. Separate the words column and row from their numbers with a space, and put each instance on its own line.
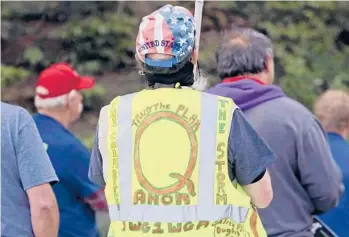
column 103, row 127
column 205, row 208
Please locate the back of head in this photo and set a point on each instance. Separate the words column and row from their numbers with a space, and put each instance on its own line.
column 165, row 46
column 57, row 92
column 332, row 108
column 58, row 82
column 243, row 51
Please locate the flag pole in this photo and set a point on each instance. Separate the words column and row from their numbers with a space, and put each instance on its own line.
column 199, row 4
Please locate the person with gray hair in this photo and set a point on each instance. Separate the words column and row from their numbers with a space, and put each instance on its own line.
column 306, row 180
column 59, row 102
column 332, row 108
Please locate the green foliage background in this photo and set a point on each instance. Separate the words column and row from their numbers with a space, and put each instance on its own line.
column 310, row 42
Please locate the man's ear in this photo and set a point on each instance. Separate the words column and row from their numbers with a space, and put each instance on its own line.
column 72, row 97
column 269, row 63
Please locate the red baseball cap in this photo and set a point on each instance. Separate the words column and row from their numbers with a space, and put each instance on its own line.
column 59, row 79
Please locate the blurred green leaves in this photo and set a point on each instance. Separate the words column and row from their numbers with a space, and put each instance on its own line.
column 94, row 98
column 98, row 37
column 33, row 55
column 12, row 75
column 92, row 67
column 304, row 38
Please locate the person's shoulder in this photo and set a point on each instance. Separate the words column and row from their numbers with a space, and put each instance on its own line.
column 66, row 150
column 15, row 114
column 338, row 143
column 290, row 108
column 294, row 105
column 116, row 99
column 12, row 110
column 105, row 108
column 75, row 146
column 103, row 113
column 218, row 97
column 282, row 114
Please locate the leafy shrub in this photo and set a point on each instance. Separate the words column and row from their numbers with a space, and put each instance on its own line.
column 106, row 39
column 94, row 98
column 33, row 55
column 12, row 75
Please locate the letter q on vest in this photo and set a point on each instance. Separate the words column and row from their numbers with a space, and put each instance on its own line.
column 164, row 208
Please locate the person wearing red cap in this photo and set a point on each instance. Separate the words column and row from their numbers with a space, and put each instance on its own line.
column 59, row 103
column 57, row 89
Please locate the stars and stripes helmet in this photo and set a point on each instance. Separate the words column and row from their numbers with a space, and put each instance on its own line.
column 169, row 30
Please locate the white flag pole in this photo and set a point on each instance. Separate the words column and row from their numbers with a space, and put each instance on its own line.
column 199, row 4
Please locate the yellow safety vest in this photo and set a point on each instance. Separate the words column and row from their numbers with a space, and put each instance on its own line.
column 166, row 167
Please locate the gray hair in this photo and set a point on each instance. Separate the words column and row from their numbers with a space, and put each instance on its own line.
column 242, row 51
column 52, row 102
column 332, row 108
column 201, row 81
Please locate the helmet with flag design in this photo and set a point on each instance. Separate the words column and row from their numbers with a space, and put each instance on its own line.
column 169, row 31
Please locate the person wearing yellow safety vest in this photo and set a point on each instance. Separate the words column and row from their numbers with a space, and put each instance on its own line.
column 175, row 161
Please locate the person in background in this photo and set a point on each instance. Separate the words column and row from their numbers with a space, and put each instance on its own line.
column 332, row 108
column 168, row 125
column 305, row 178
column 59, row 104
column 28, row 204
